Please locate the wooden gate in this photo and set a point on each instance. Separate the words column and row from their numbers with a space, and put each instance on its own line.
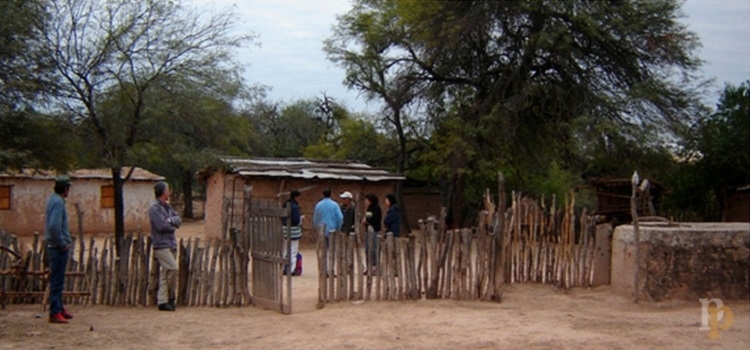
column 267, row 247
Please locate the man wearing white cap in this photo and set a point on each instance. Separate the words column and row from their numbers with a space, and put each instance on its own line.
column 347, row 209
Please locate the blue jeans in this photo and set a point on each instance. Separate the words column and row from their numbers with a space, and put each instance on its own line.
column 58, row 261
column 371, row 248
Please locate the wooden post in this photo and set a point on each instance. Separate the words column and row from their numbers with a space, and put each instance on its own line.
column 211, row 286
column 636, row 232
column 322, row 286
column 371, row 239
column 341, row 265
column 381, row 266
column 145, row 271
column 331, row 266
column 432, row 289
column 184, row 271
column 500, row 234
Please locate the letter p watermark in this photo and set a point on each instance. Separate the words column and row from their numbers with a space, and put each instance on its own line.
column 715, row 317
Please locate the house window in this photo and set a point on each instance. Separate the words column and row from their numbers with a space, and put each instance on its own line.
column 4, row 197
column 108, row 196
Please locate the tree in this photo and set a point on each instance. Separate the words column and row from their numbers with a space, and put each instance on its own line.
column 358, row 139
column 285, row 131
column 26, row 136
column 188, row 125
column 507, row 80
column 108, row 50
column 378, row 75
column 716, row 158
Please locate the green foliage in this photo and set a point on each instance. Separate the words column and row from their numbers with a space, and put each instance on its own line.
column 723, row 140
column 35, row 141
column 289, row 131
column 110, row 55
column 512, row 84
column 189, row 124
column 27, row 138
column 22, row 65
column 716, row 158
column 358, row 140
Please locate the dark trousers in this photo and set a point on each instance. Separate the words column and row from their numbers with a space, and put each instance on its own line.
column 58, row 261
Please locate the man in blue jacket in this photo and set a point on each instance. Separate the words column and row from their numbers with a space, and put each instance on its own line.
column 164, row 222
column 57, row 238
column 327, row 213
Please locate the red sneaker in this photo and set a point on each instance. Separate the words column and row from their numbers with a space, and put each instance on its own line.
column 57, row 318
column 66, row 314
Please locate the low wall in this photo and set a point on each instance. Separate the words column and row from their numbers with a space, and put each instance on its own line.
column 683, row 261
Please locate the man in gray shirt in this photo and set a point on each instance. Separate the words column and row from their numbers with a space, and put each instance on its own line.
column 164, row 222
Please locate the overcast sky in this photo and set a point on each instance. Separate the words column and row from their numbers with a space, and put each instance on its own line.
column 291, row 61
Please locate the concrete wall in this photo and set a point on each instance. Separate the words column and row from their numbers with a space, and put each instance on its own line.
column 29, row 200
column 219, row 185
column 684, row 261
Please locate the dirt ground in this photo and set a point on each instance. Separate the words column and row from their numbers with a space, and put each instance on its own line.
column 531, row 316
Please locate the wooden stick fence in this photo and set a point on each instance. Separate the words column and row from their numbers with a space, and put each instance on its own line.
column 214, row 273
column 533, row 244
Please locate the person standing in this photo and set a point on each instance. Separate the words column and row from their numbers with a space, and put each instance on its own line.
column 392, row 219
column 57, row 238
column 327, row 213
column 294, row 229
column 392, row 222
column 373, row 218
column 347, row 210
column 164, row 222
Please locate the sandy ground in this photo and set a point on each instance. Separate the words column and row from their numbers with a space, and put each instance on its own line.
column 530, row 317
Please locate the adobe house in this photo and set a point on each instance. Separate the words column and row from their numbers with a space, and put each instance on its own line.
column 24, row 195
column 274, row 178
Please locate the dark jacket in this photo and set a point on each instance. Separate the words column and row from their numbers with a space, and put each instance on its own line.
column 374, row 217
column 348, row 224
column 294, row 220
column 294, row 213
column 393, row 221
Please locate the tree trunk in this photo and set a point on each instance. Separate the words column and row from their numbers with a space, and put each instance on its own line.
column 457, row 184
column 187, row 193
column 400, row 168
column 118, row 183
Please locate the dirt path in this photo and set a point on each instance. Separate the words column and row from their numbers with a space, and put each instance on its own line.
column 530, row 317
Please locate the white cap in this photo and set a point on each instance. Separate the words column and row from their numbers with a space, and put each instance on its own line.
column 346, row 194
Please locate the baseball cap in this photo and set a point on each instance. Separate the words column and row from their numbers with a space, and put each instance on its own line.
column 63, row 180
column 346, row 194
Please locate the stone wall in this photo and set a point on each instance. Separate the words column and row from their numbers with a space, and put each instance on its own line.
column 684, row 261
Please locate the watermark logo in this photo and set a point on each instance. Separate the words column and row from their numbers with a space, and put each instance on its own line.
column 715, row 316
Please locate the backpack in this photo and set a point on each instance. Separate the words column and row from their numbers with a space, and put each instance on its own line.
column 297, row 266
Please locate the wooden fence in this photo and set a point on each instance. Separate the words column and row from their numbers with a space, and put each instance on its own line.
column 210, row 273
column 528, row 242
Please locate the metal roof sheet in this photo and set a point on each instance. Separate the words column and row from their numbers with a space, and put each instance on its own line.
column 308, row 169
column 139, row 174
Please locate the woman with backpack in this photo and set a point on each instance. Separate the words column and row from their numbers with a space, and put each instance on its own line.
column 293, row 230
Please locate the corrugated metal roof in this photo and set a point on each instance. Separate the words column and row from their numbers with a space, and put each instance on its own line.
column 308, row 169
column 139, row 174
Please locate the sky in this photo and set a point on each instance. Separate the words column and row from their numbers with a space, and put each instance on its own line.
column 290, row 58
